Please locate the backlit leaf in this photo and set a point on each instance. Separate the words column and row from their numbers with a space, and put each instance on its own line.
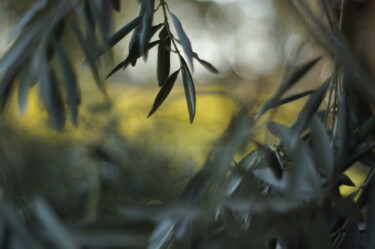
column 206, row 64
column 184, row 40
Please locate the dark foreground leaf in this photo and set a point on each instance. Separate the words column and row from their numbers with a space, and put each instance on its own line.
column 189, row 89
column 164, row 92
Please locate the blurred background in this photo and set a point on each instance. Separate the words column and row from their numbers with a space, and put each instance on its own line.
column 118, row 155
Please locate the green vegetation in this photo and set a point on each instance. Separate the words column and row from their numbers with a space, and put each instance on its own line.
column 247, row 193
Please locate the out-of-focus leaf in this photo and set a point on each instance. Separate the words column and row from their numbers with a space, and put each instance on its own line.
column 367, row 128
column 293, row 97
column 111, row 240
column 99, row 13
column 184, row 40
column 6, row 85
column 206, row 64
column 90, row 56
column 348, row 208
column 117, row 36
column 164, row 60
column 217, row 165
column 342, row 129
column 26, row 18
column 164, row 92
column 310, row 107
column 272, row 160
column 322, row 149
column 116, row 5
column 189, row 89
column 50, row 93
column 162, row 234
column 20, row 49
column 133, row 55
column 72, row 90
column 357, row 155
column 54, row 227
column 289, row 81
column 28, row 78
column 145, row 32
column 7, row 212
column 258, row 205
column 303, row 173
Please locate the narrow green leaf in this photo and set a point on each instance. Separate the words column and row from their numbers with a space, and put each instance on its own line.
column 164, row 92
column 50, row 93
column 145, row 31
column 20, row 49
column 184, row 40
column 343, row 129
column 134, row 44
column 206, row 64
column 290, row 80
column 367, row 128
column 72, row 90
column 90, row 56
column 115, row 38
column 321, row 144
column 28, row 78
column 164, row 60
column 55, row 229
column 303, row 173
column 133, row 56
column 189, row 89
column 311, row 107
column 357, row 155
column 26, row 18
column 293, row 97
column 17, row 225
column 6, row 85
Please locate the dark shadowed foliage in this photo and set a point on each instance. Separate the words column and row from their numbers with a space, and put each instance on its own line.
column 279, row 196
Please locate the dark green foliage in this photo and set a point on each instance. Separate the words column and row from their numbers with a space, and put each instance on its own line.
column 164, row 57
column 164, row 91
column 283, row 195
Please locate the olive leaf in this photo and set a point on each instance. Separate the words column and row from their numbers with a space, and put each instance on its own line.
column 164, row 92
column 184, row 40
column 164, row 60
column 189, row 89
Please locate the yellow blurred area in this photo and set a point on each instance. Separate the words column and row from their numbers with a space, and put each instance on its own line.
column 168, row 131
